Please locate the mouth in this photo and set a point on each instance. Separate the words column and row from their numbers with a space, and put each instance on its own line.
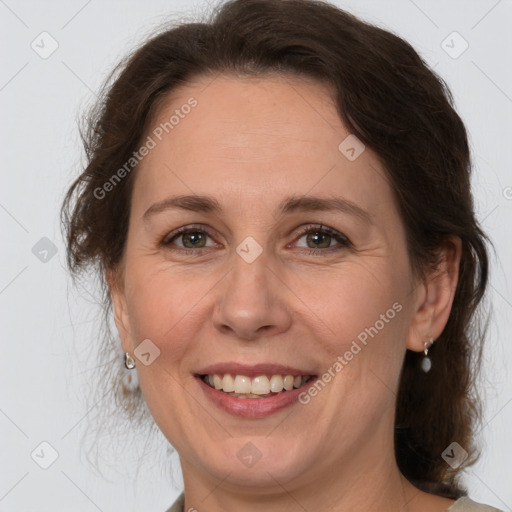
column 258, row 387
column 253, row 391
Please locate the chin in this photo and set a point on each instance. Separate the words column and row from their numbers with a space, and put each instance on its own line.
column 255, row 462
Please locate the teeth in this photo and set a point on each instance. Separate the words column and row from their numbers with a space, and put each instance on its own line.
column 288, row 382
column 276, row 383
column 228, row 383
column 244, row 387
column 260, row 386
column 242, row 384
column 217, row 383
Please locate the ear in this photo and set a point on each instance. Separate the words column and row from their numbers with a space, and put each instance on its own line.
column 115, row 282
column 434, row 296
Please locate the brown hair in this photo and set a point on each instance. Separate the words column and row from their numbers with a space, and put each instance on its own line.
column 395, row 104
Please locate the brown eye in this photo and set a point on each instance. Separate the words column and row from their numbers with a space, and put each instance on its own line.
column 319, row 237
column 193, row 239
column 318, row 240
column 188, row 238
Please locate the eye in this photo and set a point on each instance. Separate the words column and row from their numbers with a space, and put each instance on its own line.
column 190, row 238
column 319, row 239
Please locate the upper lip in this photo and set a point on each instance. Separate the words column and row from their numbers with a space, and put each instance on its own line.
column 253, row 370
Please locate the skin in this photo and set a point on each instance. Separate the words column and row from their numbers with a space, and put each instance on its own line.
column 250, row 143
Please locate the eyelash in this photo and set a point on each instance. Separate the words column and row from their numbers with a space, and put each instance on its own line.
column 342, row 240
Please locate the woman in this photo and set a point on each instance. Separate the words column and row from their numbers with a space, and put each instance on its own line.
column 278, row 202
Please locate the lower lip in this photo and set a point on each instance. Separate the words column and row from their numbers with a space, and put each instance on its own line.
column 253, row 407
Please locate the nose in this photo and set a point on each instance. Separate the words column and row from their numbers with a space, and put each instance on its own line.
column 252, row 301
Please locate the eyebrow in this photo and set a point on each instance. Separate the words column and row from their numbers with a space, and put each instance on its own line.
column 208, row 204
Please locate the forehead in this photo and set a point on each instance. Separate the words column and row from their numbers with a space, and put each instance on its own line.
column 257, row 139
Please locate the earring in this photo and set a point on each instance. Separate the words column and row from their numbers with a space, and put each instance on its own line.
column 129, row 362
column 426, row 363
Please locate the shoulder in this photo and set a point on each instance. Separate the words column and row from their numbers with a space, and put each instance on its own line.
column 465, row 504
column 178, row 505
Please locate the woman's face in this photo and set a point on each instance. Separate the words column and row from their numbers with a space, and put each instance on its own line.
column 293, row 262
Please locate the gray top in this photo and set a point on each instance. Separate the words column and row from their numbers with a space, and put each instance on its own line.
column 463, row 504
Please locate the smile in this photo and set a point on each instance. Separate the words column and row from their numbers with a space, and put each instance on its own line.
column 261, row 386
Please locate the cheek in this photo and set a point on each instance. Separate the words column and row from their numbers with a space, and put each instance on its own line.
column 163, row 307
column 356, row 301
column 161, row 300
column 364, row 347
column 367, row 317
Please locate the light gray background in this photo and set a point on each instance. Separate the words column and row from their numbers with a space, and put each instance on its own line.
column 45, row 323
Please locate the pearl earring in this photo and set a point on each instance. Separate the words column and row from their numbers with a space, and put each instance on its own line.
column 426, row 363
column 129, row 362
